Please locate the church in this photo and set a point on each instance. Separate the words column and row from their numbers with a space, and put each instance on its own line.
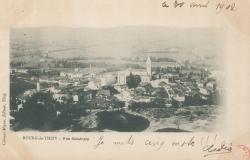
column 144, row 74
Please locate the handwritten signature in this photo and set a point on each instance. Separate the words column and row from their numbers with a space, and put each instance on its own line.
column 211, row 147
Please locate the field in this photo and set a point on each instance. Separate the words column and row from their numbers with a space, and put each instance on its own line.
column 191, row 118
column 18, row 86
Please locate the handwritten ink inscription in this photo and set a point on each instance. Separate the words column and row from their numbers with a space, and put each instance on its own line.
column 130, row 141
column 155, row 144
column 186, row 143
column 99, row 143
column 224, row 6
column 218, row 7
column 210, row 145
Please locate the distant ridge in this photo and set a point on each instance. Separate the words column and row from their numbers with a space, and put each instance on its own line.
column 117, row 41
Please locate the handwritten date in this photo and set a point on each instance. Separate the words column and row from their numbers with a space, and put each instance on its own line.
column 219, row 7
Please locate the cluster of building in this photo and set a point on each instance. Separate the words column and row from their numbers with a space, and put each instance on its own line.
column 181, row 85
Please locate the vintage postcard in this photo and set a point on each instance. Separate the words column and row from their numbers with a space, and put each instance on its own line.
column 162, row 79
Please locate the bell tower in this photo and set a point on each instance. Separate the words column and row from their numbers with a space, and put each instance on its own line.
column 149, row 66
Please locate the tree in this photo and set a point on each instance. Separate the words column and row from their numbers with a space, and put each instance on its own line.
column 115, row 103
column 161, row 92
column 177, row 122
column 68, row 117
column 133, row 80
column 160, row 97
column 37, row 112
column 162, row 84
column 149, row 89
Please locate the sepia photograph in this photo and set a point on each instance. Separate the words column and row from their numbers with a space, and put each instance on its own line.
column 117, row 79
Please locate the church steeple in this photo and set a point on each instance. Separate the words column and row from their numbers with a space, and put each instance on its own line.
column 149, row 66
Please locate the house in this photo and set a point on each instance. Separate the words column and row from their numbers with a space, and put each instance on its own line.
column 72, row 75
column 99, row 102
column 53, row 90
column 94, row 84
column 103, row 93
column 179, row 98
column 171, row 65
column 75, row 98
column 21, row 70
column 199, row 84
column 106, row 79
column 29, row 92
column 59, row 97
column 20, row 106
column 159, row 82
column 170, row 76
column 142, row 99
column 76, row 83
column 88, row 95
column 140, row 90
column 63, row 83
column 204, row 91
column 63, row 74
column 83, row 96
column 211, row 85
column 156, row 76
